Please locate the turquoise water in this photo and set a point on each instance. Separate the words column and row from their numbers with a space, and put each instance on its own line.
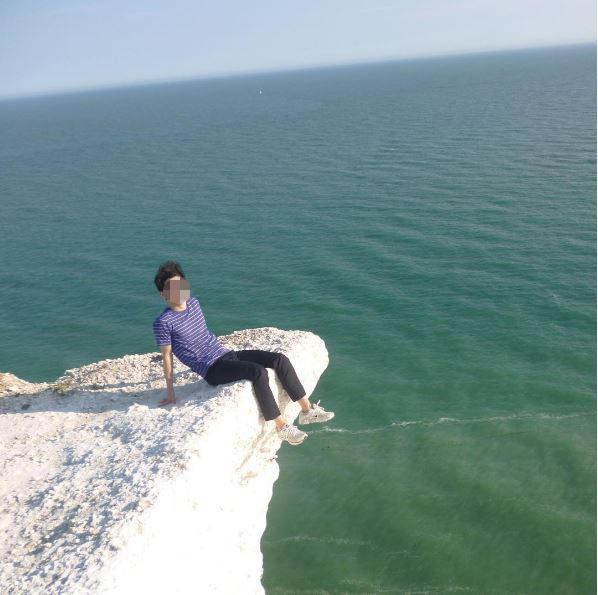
column 433, row 220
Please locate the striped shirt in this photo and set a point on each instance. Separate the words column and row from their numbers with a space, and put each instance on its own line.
column 192, row 342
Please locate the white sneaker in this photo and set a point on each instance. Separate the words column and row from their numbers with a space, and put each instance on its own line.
column 316, row 414
column 291, row 434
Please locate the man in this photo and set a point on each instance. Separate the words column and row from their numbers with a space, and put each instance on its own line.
column 181, row 330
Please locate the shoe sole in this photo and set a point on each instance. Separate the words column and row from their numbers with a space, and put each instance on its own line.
column 314, row 421
column 296, row 443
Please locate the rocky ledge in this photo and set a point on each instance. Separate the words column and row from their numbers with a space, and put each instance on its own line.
column 104, row 491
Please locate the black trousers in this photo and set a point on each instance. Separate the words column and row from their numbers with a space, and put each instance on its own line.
column 251, row 364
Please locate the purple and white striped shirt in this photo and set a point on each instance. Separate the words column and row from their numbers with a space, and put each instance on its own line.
column 192, row 342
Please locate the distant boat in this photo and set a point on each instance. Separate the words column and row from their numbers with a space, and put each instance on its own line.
column 260, row 91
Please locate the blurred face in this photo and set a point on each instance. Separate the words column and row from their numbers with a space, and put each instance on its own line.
column 176, row 290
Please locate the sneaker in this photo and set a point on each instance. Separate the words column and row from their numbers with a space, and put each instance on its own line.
column 291, row 434
column 315, row 414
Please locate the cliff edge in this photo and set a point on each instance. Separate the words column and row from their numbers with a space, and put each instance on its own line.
column 104, row 491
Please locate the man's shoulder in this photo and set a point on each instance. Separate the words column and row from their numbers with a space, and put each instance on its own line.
column 194, row 304
column 162, row 317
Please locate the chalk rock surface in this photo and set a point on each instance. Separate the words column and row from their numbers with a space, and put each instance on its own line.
column 104, row 491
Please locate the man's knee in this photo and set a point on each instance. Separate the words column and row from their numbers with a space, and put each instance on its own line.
column 256, row 371
column 281, row 359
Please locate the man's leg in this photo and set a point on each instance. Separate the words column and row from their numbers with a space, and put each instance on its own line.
column 229, row 370
column 284, row 370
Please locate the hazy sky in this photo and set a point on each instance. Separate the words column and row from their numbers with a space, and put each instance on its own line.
column 48, row 46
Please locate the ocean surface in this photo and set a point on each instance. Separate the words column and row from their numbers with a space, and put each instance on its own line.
column 433, row 220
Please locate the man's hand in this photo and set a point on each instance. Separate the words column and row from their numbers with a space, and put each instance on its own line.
column 167, row 362
column 168, row 400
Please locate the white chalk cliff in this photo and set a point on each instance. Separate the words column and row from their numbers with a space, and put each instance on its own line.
column 104, row 491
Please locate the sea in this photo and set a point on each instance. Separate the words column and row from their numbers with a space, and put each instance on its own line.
column 433, row 220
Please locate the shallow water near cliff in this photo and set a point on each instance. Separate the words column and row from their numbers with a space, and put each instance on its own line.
column 432, row 220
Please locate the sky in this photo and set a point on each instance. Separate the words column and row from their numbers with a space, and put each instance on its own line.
column 65, row 45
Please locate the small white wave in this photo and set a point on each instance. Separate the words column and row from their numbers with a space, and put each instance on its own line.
column 321, row 539
column 443, row 420
column 373, row 588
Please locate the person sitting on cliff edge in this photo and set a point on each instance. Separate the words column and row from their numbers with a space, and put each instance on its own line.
column 181, row 330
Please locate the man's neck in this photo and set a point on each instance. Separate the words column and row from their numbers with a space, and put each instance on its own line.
column 178, row 309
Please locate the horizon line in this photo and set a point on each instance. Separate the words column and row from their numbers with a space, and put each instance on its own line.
column 282, row 69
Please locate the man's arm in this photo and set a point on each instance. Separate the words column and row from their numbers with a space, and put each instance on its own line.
column 168, row 365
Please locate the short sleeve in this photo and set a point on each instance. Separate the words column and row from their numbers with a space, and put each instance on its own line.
column 161, row 332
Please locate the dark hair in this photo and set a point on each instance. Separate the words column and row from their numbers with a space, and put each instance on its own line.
column 167, row 269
